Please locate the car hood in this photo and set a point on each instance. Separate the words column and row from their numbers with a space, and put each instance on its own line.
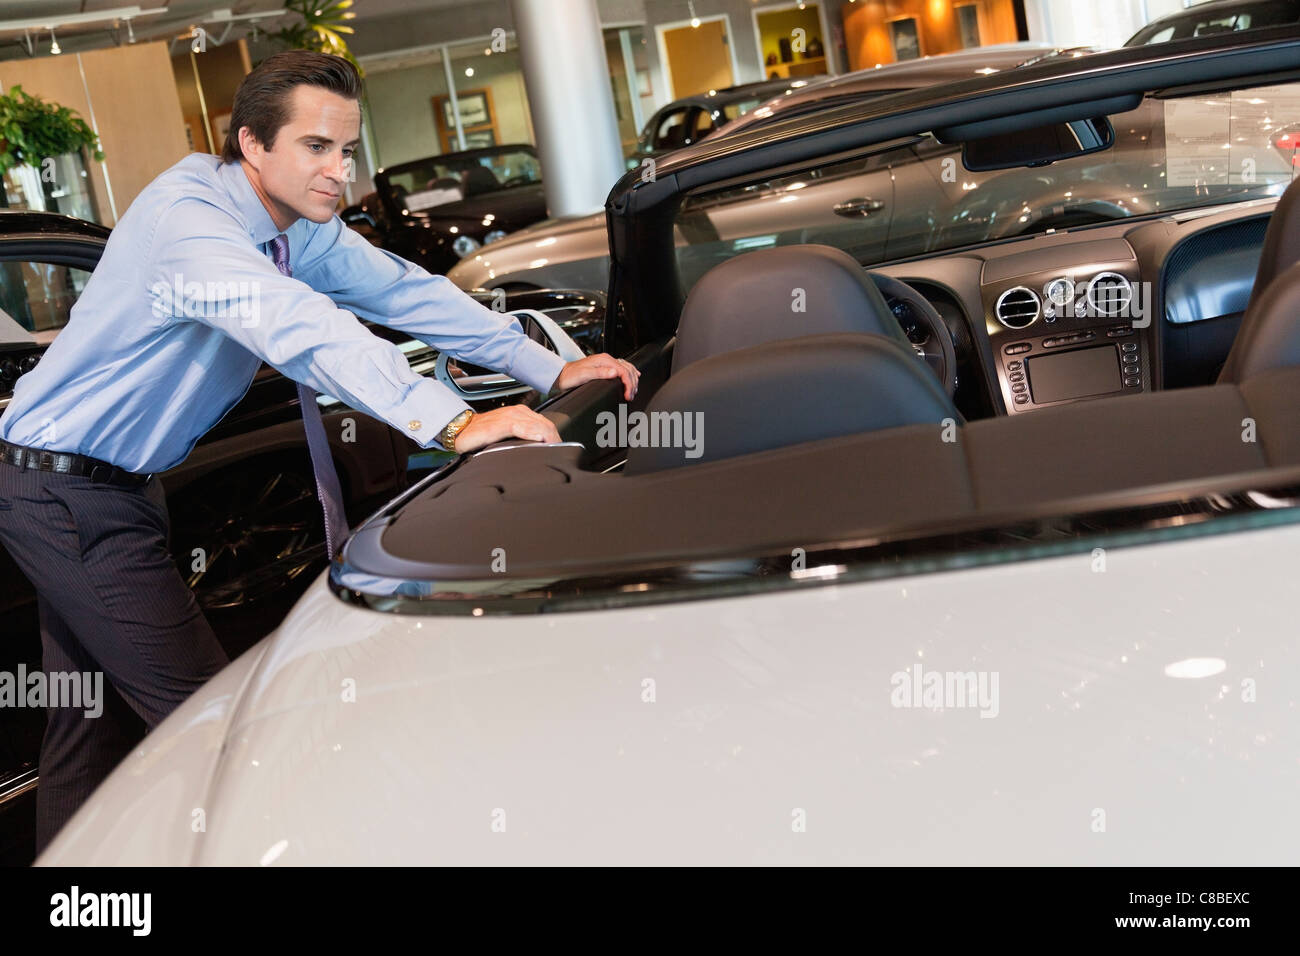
column 525, row 255
column 1144, row 714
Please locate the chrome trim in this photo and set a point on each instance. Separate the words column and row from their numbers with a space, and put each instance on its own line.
column 1178, row 510
column 17, row 785
column 1038, row 308
column 1128, row 289
column 531, row 444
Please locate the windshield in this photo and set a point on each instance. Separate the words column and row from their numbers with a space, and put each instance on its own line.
column 1242, row 16
column 917, row 197
column 444, row 179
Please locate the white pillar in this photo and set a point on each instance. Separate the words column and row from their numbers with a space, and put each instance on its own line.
column 567, row 77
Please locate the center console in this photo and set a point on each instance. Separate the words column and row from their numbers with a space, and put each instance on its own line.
column 1064, row 335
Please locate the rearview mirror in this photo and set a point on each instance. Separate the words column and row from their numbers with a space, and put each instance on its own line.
column 1039, row 146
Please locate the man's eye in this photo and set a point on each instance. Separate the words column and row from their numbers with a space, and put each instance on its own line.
column 315, row 146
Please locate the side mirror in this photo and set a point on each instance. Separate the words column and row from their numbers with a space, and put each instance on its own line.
column 357, row 216
column 491, row 385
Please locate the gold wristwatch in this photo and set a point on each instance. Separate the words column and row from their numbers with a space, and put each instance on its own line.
column 447, row 437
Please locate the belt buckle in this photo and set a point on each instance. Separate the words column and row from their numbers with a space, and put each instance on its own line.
column 101, row 474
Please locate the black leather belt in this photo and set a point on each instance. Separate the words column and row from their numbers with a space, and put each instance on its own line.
column 66, row 463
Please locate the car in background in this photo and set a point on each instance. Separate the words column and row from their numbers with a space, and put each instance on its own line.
column 436, row 211
column 863, row 619
column 1217, row 16
column 693, row 118
column 573, row 253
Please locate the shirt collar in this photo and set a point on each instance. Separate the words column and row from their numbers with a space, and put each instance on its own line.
column 261, row 227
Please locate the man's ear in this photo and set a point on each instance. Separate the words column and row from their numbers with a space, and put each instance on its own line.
column 249, row 145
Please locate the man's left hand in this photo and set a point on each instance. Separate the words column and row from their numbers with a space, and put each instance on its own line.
column 598, row 366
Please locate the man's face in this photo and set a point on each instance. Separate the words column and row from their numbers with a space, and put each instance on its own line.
column 303, row 174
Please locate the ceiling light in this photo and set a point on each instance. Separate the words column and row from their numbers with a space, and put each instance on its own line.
column 54, row 44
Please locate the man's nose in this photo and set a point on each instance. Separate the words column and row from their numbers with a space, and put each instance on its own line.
column 338, row 170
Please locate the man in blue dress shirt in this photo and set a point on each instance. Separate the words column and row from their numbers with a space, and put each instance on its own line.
column 217, row 266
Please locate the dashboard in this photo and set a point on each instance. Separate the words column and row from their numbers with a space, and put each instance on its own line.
column 1094, row 312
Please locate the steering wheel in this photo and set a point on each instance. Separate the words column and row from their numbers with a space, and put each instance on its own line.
column 523, row 180
column 923, row 326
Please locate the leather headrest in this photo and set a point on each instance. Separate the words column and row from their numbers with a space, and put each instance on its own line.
column 784, row 393
column 779, row 293
column 1269, row 336
column 1281, row 242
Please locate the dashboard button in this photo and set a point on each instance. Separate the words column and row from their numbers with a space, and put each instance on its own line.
column 1129, row 346
column 1018, row 387
column 1013, row 366
column 1017, row 348
column 1133, row 380
column 1022, row 399
column 1053, row 343
column 1119, row 332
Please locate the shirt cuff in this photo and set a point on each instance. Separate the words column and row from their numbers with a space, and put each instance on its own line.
column 537, row 367
column 425, row 412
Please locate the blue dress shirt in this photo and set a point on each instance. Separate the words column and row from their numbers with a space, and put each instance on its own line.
column 186, row 304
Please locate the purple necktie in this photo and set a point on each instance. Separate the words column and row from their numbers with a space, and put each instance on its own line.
column 322, row 462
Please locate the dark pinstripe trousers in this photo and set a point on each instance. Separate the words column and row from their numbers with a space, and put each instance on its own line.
column 111, row 599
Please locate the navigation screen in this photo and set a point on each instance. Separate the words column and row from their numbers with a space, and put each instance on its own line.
column 1054, row 378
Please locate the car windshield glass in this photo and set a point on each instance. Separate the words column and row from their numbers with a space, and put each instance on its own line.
column 732, row 110
column 1241, row 17
column 444, row 179
column 917, row 197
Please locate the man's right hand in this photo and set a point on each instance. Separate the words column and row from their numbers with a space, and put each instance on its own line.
column 510, row 421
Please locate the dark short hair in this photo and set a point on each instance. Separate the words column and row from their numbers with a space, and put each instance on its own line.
column 262, row 100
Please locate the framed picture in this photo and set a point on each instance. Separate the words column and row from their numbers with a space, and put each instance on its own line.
column 476, row 119
column 220, row 129
column 474, row 110
column 968, row 21
column 906, row 39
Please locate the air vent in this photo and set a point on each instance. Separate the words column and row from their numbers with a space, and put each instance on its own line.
column 1018, row 307
column 1109, row 293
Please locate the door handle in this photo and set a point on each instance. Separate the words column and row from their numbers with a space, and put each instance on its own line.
column 858, row 208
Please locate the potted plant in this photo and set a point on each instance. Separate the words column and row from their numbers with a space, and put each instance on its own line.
column 33, row 131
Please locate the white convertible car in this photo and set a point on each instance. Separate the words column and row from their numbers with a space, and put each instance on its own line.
column 986, row 555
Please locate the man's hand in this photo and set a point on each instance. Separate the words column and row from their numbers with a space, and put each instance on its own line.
column 598, row 366
column 509, row 421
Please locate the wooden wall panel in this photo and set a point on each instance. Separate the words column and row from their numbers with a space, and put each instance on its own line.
column 867, row 33
column 136, row 110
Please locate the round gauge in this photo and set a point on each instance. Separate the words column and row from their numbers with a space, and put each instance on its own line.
column 1060, row 292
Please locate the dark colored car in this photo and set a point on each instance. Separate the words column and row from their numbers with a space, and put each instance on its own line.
column 438, row 210
column 692, row 118
column 1217, row 16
